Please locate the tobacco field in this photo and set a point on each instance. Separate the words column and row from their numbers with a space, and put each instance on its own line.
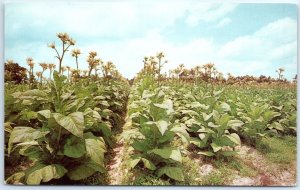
column 191, row 127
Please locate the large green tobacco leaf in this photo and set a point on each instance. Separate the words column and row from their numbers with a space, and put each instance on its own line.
column 28, row 115
column 215, row 147
column 223, row 120
column 191, row 113
column 190, row 97
column 32, row 151
column 35, row 94
column 105, row 127
column 85, row 170
column 67, row 95
column 182, row 133
column 147, row 163
column 8, row 127
column 147, row 94
column 172, row 172
column 162, row 126
column 206, row 153
column 198, row 105
column 167, row 104
column 168, row 153
column 225, row 107
column 235, row 124
column 211, row 124
column 134, row 162
column 44, row 114
column 142, row 145
column 58, row 80
column 45, row 174
column 168, row 137
column 104, row 103
column 216, row 115
column 74, row 147
column 276, row 126
column 206, row 117
column 268, row 115
column 199, row 143
column 92, row 118
column 75, row 105
column 256, row 111
column 17, row 177
column 74, row 122
column 216, row 93
column 24, row 134
column 234, row 138
column 95, row 147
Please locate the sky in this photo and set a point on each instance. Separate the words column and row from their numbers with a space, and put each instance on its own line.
column 253, row 39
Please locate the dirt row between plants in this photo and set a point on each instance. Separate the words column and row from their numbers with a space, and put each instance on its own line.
column 114, row 167
column 114, row 172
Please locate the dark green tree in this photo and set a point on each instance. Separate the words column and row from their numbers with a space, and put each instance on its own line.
column 14, row 72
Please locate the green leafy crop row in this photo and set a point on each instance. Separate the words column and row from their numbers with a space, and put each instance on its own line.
column 64, row 129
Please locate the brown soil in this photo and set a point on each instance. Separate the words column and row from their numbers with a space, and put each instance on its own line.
column 114, row 167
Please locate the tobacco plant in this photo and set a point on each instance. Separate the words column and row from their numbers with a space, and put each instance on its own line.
column 152, row 135
column 62, row 143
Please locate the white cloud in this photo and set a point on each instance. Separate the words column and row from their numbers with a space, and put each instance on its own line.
column 271, row 45
column 242, row 48
column 128, row 54
column 208, row 12
column 275, row 39
column 105, row 18
column 115, row 19
column 282, row 51
column 284, row 30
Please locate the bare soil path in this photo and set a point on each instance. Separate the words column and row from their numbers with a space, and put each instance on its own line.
column 114, row 166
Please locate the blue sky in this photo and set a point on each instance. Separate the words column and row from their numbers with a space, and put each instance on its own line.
column 241, row 39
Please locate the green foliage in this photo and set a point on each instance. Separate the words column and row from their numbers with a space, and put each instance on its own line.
column 210, row 126
column 65, row 129
column 211, row 120
column 279, row 150
column 217, row 120
column 66, row 135
column 152, row 115
column 15, row 73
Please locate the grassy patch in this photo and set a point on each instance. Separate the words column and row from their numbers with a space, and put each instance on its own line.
column 226, row 170
column 220, row 175
column 214, row 178
column 191, row 171
column 149, row 179
column 279, row 150
column 243, row 169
